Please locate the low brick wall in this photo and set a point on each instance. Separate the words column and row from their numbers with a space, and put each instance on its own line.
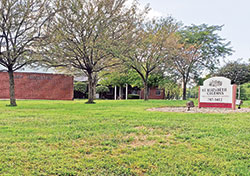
column 38, row 86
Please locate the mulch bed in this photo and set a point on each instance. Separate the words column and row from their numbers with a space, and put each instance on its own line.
column 200, row 110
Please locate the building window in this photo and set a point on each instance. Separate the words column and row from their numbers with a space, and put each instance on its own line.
column 158, row 92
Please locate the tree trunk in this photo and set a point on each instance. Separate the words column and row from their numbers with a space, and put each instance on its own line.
column 12, row 88
column 91, row 89
column 95, row 80
column 184, row 93
column 94, row 90
column 145, row 91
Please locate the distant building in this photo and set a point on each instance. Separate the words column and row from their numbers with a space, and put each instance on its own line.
column 38, row 86
column 81, row 79
column 154, row 93
column 133, row 92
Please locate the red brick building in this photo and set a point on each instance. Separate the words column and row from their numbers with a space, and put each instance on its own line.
column 38, row 86
column 154, row 93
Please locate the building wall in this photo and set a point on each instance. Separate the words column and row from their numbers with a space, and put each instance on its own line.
column 38, row 86
column 153, row 94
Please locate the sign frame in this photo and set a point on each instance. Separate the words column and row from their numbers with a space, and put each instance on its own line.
column 214, row 84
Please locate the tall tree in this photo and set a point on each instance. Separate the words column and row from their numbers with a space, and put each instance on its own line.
column 197, row 48
column 238, row 73
column 151, row 50
column 22, row 26
column 172, row 89
column 87, row 35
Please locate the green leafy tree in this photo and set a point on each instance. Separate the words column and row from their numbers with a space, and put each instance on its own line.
column 245, row 91
column 155, row 79
column 193, row 92
column 238, row 73
column 115, row 78
column 80, row 87
column 196, row 48
column 120, row 76
column 23, row 25
column 102, row 89
column 171, row 88
column 151, row 50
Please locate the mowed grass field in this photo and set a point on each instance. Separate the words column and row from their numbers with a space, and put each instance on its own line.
column 120, row 138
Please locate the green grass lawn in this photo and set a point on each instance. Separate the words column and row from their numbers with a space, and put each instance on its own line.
column 120, row 138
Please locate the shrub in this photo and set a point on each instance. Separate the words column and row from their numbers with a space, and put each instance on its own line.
column 133, row 96
column 245, row 91
column 102, row 89
column 80, row 86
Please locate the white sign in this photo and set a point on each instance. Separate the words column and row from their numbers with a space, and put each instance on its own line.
column 216, row 90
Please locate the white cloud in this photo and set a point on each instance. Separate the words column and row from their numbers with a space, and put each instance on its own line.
column 151, row 14
column 154, row 14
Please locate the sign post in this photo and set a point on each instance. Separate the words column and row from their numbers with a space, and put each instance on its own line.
column 217, row 92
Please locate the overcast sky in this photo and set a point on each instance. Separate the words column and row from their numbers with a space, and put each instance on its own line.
column 233, row 14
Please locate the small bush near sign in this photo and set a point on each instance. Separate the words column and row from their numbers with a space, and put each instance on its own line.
column 245, row 91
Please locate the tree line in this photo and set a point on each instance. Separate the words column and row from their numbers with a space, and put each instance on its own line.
column 98, row 37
